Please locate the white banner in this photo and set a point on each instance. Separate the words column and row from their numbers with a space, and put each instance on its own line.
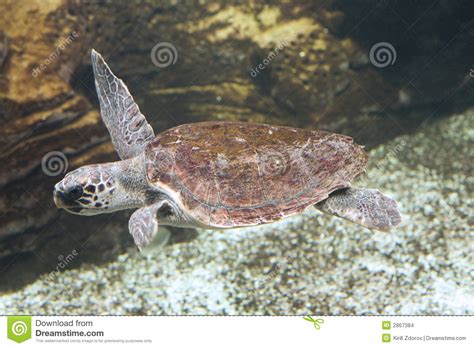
column 239, row 332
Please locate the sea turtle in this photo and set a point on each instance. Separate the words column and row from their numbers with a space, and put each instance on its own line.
column 217, row 174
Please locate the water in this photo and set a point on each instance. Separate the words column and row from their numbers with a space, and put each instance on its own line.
column 388, row 75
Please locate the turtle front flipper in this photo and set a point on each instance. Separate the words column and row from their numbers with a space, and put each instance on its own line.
column 128, row 128
column 143, row 224
column 367, row 207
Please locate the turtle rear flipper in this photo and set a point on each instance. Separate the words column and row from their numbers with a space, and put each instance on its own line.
column 367, row 207
column 128, row 128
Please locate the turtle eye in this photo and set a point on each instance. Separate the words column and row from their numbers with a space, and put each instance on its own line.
column 75, row 192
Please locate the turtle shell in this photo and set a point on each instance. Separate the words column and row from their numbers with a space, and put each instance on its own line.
column 228, row 174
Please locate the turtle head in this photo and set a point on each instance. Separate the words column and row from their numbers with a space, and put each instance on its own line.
column 88, row 190
column 103, row 188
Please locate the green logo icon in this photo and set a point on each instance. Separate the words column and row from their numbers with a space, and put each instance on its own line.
column 386, row 338
column 316, row 322
column 386, row 325
column 19, row 328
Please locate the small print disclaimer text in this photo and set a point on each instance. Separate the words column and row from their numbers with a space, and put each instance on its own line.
column 97, row 330
column 312, row 330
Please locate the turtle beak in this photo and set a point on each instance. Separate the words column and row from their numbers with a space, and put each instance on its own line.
column 63, row 202
column 58, row 197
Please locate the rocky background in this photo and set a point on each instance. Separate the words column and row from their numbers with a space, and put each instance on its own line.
column 299, row 63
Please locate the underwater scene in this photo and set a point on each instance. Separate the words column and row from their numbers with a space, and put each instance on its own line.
column 237, row 157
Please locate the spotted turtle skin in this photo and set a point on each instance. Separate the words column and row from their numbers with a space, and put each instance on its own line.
column 231, row 174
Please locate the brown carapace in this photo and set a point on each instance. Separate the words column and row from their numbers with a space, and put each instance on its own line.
column 238, row 174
